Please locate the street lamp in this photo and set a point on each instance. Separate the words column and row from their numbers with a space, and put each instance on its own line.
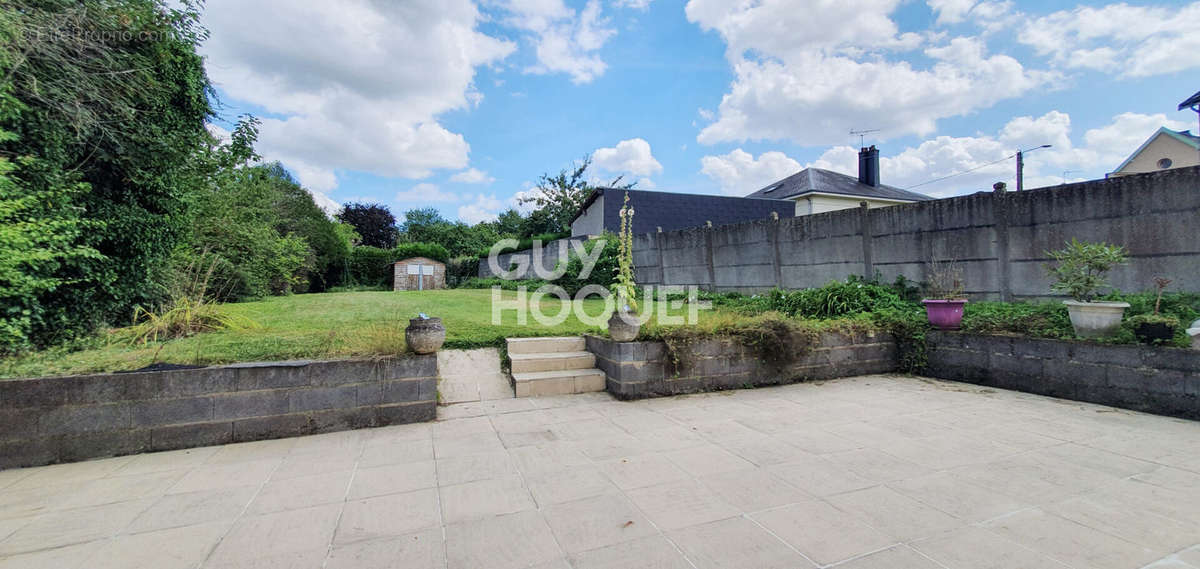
column 1021, row 165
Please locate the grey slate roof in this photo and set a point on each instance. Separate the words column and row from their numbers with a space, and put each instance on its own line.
column 811, row 180
column 670, row 211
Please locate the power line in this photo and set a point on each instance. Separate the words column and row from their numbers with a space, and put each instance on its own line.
column 1009, row 157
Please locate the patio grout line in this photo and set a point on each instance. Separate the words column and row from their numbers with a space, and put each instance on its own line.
column 241, row 514
column 337, row 525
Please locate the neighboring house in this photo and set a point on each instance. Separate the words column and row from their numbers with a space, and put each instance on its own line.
column 664, row 211
column 815, row 190
column 418, row 273
column 1164, row 150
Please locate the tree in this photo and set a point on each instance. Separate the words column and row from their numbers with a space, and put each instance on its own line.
column 426, row 225
column 373, row 222
column 562, row 195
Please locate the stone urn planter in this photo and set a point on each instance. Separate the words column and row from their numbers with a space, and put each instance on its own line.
column 1194, row 333
column 425, row 335
column 623, row 326
column 1095, row 319
column 945, row 314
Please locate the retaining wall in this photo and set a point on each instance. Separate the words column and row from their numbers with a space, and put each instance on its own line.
column 1164, row 381
column 999, row 240
column 547, row 257
column 642, row 369
column 64, row 419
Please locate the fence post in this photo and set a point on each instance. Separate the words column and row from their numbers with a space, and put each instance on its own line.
column 708, row 256
column 662, row 266
column 1000, row 221
column 777, row 261
column 864, row 227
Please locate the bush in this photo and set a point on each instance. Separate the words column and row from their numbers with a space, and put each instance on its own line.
column 834, row 300
column 1082, row 268
column 506, row 284
column 908, row 325
column 371, row 266
column 527, row 243
column 603, row 272
column 427, row 250
column 460, row 270
column 1035, row 319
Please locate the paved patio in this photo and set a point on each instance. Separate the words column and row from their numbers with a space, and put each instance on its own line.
column 874, row 472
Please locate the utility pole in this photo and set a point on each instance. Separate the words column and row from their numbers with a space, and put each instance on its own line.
column 1021, row 165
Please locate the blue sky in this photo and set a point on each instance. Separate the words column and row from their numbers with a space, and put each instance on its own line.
column 462, row 105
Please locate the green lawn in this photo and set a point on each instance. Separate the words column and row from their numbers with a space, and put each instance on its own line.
column 304, row 326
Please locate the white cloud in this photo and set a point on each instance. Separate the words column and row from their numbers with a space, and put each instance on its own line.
column 219, row 132
column 472, row 176
column 1135, row 41
column 484, row 208
column 646, row 184
column 739, row 173
column 355, row 85
column 564, row 41
column 642, row 5
column 425, row 193
column 631, row 156
column 809, row 75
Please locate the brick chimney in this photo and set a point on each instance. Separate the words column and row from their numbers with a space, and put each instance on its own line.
column 868, row 166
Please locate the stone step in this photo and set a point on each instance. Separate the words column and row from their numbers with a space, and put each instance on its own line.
column 524, row 363
column 565, row 382
column 545, row 345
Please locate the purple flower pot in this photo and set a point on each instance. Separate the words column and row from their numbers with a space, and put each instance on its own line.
column 945, row 314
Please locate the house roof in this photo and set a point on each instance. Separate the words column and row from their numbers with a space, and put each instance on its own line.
column 818, row 180
column 1183, row 136
column 1190, row 101
column 671, row 211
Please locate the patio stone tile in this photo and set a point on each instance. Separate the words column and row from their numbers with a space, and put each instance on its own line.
column 1181, row 505
column 876, row 465
column 399, row 433
column 952, row 495
column 503, row 542
column 736, row 542
column 951, row 450
column 424, row 550
column 73, row 473
column 216, row 477
column 979, row 548
column 1034, row 481
column 311, row 558
column 1120, row 516
column 540, row 459
column 472, row 467
column 334, row 443
column 817, row 442
column 175, row 548
column 392, row 479
column 641, row 471
column 568, row 484
column 1172, row 478
column 277, row 536
column 895, row 514
column 753, row 489
column 680, row 504
column 1070, row 542
column 899, row 557
column 382, row 454
column 7, row 527
column 1096, row 459
column 69, row 557
column 819, row 477
column 526, row 438
column 705, row 460
column 66, row 527
column 596, row 522
column 304, row 492
column 169, row 460
column 120, row 489
column 459, row 427
column 823, row 533
column 31, row 501
column 484, row 498
column 313, row 463
column 252, row 451
column 191, row 508
column 608, row 448
column 599, row 428
column 388, row 516
column 474, row 443
column 646, row 553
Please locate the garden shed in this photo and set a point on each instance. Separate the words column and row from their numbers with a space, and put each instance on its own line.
column 418, row 273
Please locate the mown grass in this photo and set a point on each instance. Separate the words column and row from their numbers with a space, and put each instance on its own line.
column 309, row 326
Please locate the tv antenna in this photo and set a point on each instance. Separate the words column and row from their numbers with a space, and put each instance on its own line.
column 862, row 135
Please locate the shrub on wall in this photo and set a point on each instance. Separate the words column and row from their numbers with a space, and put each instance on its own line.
column 371, row 266
column 427, row 250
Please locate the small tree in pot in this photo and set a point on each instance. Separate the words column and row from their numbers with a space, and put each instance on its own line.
column 1155, row 328
column 624, row 323
column 945, row 301
column 1081, row 271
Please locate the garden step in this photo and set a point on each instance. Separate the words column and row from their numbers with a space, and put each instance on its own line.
column 563, row 382
column 524, row 363
column 545, row 345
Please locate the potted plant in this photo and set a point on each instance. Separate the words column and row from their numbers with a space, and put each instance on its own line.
column 1080, row 272
column 624, row 323
column 1155, row 328
column 944, row 305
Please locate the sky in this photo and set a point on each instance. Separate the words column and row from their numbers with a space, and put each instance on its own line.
column 462, row 105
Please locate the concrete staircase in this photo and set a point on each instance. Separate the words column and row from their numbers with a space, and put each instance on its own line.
column 553, row 366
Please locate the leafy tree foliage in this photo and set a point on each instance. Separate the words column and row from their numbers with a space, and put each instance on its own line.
column 373, row 222
column 428, row 226
column 560, row 196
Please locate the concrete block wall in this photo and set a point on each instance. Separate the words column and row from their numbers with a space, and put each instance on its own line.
column 551, row 253
column 637, row 370
column 1164, row 381
column 999, row 240
column 65, row 419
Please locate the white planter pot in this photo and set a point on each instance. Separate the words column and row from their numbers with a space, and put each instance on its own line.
column 1194, row 332
column 1095, row 319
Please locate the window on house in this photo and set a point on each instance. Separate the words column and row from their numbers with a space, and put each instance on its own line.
column 1164, row 163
